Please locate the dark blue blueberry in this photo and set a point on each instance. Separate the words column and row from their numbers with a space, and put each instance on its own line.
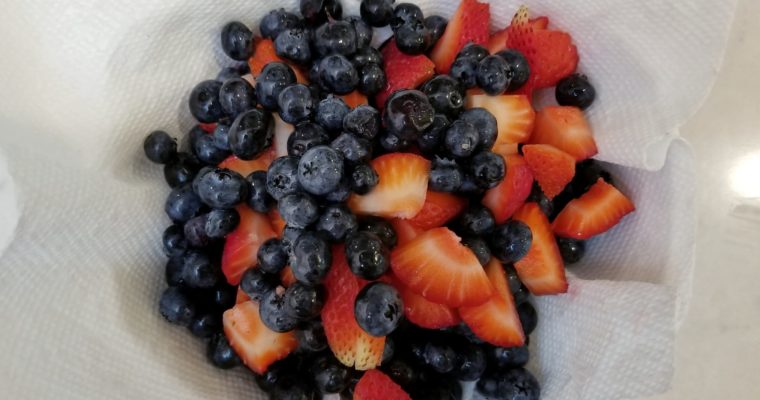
column 257, row 283
column 389, row 350
column 282, row 177
column 518, row 70
column 513, row 281
column 278, row 374
column 223, row 296
column 305, row 136
column 160, row 147
column 436, row 25
column 485, row 123
column 299, row 209
column 304, row 302
column 337, row 223
column 400, row 371
column 538, row 197
column 364, row 178
column 576, row 91
column 372, row 79
column 275, row 313
column 313, row 11
column 272, row 256
column 472, row 363
column 296, row 104
column 461, row 139
column 405, row 13
column 473, row 50
column 293, row 44
column 174, row 241
column 336, row 37
column 476, row 220
column 220, row 353
column 445, row 176
column 492, row 75
column 366, row 56
column 367, row 255
column 207, row 152
column 222, row 136
column 222, row 188
column 413, row 38
column 181, row 170
column 233, row 72
column 341, row 193
column 176, row 307
column 377, row 13
column 334, row 9
column 198, row 271
column 173, row 271
column 528, row 317
column 509, row 384
column 363, row 121
column 378, row 309
column 311, row 258
column 408, row 113
column 311, row 337
column 221, row 222
column 337, row 74
column 479, row 247
column 469, row 186
column 237, row 41
column 508, row 357
column 441, row 357
column 352, row 148
column 465, row 69
column 488, row 169
column 510, row 241
column 293, row 388
column 195, row 231
column 572, row 250
column 330, row 376
column 445, row 94
column 363, row 32
column 320, row 170
column 277, row 21
column 275, row 77
column 206, row 325
column 330, row 113
column 382, row 228
column 182, row 204
column 392, row 143
column 521, row 295
column 237, row 96
column 188, row 142
column 289, row 236
column 258, row 198
column 251, row 134
column 204, row 101
column 430, row 140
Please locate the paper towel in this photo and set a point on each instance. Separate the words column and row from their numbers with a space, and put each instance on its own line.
column 84, row 81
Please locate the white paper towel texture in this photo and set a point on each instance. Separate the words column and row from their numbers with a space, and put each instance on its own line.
column 83, row 81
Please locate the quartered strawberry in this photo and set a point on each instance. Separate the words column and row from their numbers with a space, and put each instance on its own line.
column 423, row 312
column 595, row 212
column 565, row 128
column 402, row 71
column 258, row 346
column 286, row 276
column 275, row 219
column 468, row 24
column 439, row 208
column 355, row 99
column 208, row 128
column 498, row 41
column 245, row 167
column 264, row 53
column 552, row 167
column 351, row 345
column 440, row 268
column 375, row 385
column 541, row 270
column 243, row 243
column 514, row 118
column 496, row 321
column 401, row 190
column 405, row 231
column 241, row 297
column 511, row 193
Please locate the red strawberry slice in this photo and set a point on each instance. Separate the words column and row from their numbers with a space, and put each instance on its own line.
column 402, row 71
column 511, row 193
column 468, row 24
column 437, row 266
column 375, row 385
column 541, row 270
column 405, row 231
column 496, row 321
column 552, row 167
column 514, row 118
column 498, row 41
column 598, row 210
column 355, row 99
column 423, row 312
column 439, row 208
column 208, row 128
column 245, row 168
column 351, row 345
column 566, row 129
column 243, row 243
column 264, row 53
column 258, row 346
column 402, row 188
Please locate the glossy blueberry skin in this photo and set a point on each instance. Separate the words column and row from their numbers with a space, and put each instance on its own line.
column 488, row 169
column 222, row 136
column 306, row 136
column 198, row 271
column 336, row 37
column 330, row 376
column 221, row 188
column 304, row 302
column 365, row 56
column 392, row 143
column 337, row 223
column 445, row 177
column 413, row 38
column 237, row 96
column 473, row 50
column 192, row 136
column 233, row 72
column 364, row 178
column 311, row 258
column 204, row 326
column 518, row 70
column 296, row 104
column 363, row 121
column 372, row 79
column 445, row 94
column 320, row 170
column 277, row 21
column 436, row 25
column 461, row 139
column 258, row 198
column 508, row 357
column 173, row 271
column 465, row 69
column 282, row 177
column 237, row 41
column 430, row 140
column 337, row 74
column 479, row 247
column 378, row 309
column 510, row 241
column 207, row 152
column 472, row 363
column 441, row 357
column 576, row 91
column 181, row 170
column 275, row 77
column 176, row 307
column 382, row 228
column 299, row 209
column 405, row 13
column 221, row 222
column 476, row 220
column 400, row 371
column 311, row 337
column 174, row 241
column 293, row 44
column 367, row 255
column 485, row 123
column 330, row 113
column 204, row 101
column 251, row 134
column 334, row 8
column 220, row 353
column 256, row 283
column 223, row 296
column 377, row 13
column 363, row 31
column 313, row 11
column 408, row 113
column 195, row 231
column 275, row 314
column 159, row 147
column 538, row 197
column 352, row 148
column 182, row 204
column 492, row 75
column 272, row 256
column 528, row 317
column 341, row 193
column 572, row 250
column 509, row 384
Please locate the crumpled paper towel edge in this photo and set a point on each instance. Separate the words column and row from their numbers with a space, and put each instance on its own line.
column 10, row 211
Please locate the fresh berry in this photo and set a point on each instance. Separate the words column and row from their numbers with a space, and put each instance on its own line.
column 176, row 307
column 405, row 231
column 479, row 247
column 445, row 176
column 341, row 193
column 258, row 198
column 313, row 11
column 572, row 250
column 378, row 309
column 353, row 149
column 299, row 210
column 518, row 69
column 311, row 259
column 320, row 170
column 472, row 363
column 382, row 228
column 508, row 357
column 237, row 96
column 374, row 385
column 296, row 104
column 204, row 101
column 246, row 167
column 182, row 204
column 498, row 41
column 528, row 317
column 377, row 13
column 424, row 313
column 493, row 75
column 221, row 188
column 367, row 255
column 272, row 257
column 337, row 74
column 207, row 152
column 311, row 337
column 330, row 376
column 485, row 123
column 439, row 209
column 331, row 112
column 277, row 21
column 372, row 79
column 511, row 241
column 473, row 50
column 220, row 353
column 362, row 121
column 436, row 24
column 174, row 241
column 355, row 99
column 552, row 168
column 367, row 55
column 287, row 278
column 504, row 199
column 274, row 78
column 282, row 177
column 293, row 44
column 445, row 94
column 337, row 223
column 413, row 37
column 195, row 231
column 363, row 33
column 363, row 178
column 566, row 129
column 597, row 211
column 431, row 139
column 222, row 135
column 488, row 169
column 264, row 54
column 402, row 71
column 160, row 147
column 541, row 270
column 462, row 139
column 275, row 312
column 405, row 13
column 304, row 301
column 181, row 170
column 476, row 220
column 305, row 136
column 237, row 41
column 221, row 222
column 465, row 70
column 256, row 283
column 336, row 37
column 408, row 113
column 514, row 116
column 205, row 325
column 251, row 134
column 392, row 143
column 514, row 383
column 242, row 244
column 466, row 25
column 576, row 91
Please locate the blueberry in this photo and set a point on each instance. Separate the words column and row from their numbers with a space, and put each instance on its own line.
column 330, row 113
column 251, row 134
column 282, row 177
column 521, row 295
column 538, row 197
column 296, row 104
column 337, row 74
column 222, row 136
column 377, row 13
column 576, row 91
column 372, row 79
column 472, row 363
column 176, row 307
column 223, row 296
column 363, row 121
column 205, row 325
column 311, row 337
column 572, row 250
column 528, row 317
column 518, row 70
column 275, row 77
column 476, row 220
column 293, row 388
column 173, row 271
column 508, row 357
column 461, row 139
column 480, row 248
column 313, row 11
column 207, row 152
column 441, row 357
column 446, row 95
column 275, row 314
column 220, row 353
column 337, row 223
column 363, row 178
column 195, row 231
column 336, row 37
column 436, row 25
column 278, row 374
column 232, row 72
column 258, row 198
column 352, row 148
column 221, row 222
column 392, row 143
column 305, row 136
column 237, row 96
column 198, row 272
column 388, row 350
column 272, row 257
column 334, row 9
column 181, row 170
column 488, row 169
column 382, row 228
column 277, row 21
column 430, row 140
column 378, row 309
column 204, row 101
column 413, row 38
column 174, row 241
column 400, row 371
column 473, row 50
column 341, row 193
column 182, row 204
column 304, row 302
column 513, row 281
column 160, row 147
column 222, row 188
column 485, row 123
column 408, row 113
column 329, row 375
column 237, row 41
column 299, row 209
column 405, row 13
column 510, row 241
column 363, row 32
column 293, row 44
column 445, row 176
column 509, row 384
column 257, row 283
column 367, row 255
column 320, row 170
column 192, row 136
column 465, row 69
column 366, row 56
column 289, row 236
column 311, row 259
column 492, row 75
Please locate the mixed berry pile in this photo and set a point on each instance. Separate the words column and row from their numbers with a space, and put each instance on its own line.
column 374, row 222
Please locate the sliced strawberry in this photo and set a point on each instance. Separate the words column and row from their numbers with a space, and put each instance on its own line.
column 286, row 277
column 468, row 24
column 241, row 297
column 351, row 345
column 514, row 118
column 511, row 193
column 355, row 99
column 566, row 129
column 282, row 131
column 402, row 71
column 439, row 208
column 244, row 167
column 243, row 243
column 208, row 128
column 276, row 221
column 440, row 268
column 496, row 321
column 541, row 270
column 401, row 190
column 552, row 167
column 405, row 231
column 498, row 41
column 598, row 210
column 258, row 346
column 423, row 312
column 264, row 54
column 375, row 385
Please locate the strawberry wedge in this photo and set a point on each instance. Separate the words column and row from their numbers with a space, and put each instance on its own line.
column 511, row 193
column 243, row 243
column 439, row 208
column 514, row 118
column 422, row 312
column 542, row 269
column 566, row 129
column 402, row 71
column 468, row 24
column 375, row 385
column 597, row 211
